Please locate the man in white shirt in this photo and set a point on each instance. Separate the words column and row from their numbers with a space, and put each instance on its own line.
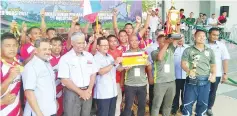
column 212, row 21
column 154, row 22
column 77, row 71
column 180, row 75
column 105, row 91
column 221, row 56
column 39, row 82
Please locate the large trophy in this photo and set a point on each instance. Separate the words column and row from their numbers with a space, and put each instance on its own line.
column 195, row 61
column 173, row 23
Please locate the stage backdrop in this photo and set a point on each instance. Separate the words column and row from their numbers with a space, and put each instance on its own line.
column 60, row 13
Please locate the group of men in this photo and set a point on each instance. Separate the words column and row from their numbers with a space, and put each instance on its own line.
column 67, row 78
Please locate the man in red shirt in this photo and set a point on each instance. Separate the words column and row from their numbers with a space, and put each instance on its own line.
column 145, row 41
column 123, row 41
column 10, row 81
column 114, row 52
column 182, row 16
column 27, row 48
column 56, row 49
column 222, row 18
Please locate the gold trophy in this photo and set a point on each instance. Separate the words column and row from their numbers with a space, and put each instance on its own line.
column 173, row 22
column 192, row 73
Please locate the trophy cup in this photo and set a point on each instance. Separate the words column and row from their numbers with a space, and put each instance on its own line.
column 192, row 75
column 173, row 23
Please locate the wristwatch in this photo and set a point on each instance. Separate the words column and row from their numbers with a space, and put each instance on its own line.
column 225, row 73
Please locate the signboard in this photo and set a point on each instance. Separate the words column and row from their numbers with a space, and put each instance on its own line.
column 60, row 12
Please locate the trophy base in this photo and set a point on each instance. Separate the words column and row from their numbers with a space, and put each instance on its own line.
column 175, row 36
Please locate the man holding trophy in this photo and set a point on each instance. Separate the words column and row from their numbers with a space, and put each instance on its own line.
column 199, row 63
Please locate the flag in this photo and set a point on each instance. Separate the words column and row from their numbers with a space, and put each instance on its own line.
column 91, row 9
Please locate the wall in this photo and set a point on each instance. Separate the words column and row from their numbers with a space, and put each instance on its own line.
column 188, row 6
column 205, row 7
column 232, row 19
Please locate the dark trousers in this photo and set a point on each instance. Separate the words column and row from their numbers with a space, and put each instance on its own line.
column 193, row 93
column 106, row 107
column 212, row 95
column 179, row 89
column 151, row 95
column 130, row 93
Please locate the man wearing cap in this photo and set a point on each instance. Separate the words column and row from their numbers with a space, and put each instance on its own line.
column 78, row 81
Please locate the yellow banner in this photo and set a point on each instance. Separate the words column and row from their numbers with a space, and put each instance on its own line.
column 134, row 59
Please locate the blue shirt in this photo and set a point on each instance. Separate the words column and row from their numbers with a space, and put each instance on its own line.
column 179, row 72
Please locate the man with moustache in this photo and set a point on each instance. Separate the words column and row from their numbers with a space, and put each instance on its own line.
column 39, row 82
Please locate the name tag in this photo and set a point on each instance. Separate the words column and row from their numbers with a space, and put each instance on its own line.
column 167, row 68
column 137, row 72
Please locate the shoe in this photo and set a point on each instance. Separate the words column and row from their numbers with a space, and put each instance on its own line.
column 181, row 108
column 173, row 112
column 209, row 112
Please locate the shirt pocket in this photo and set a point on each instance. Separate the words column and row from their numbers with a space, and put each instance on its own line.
column 89, row 68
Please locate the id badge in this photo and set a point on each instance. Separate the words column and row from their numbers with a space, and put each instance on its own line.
column 137, row 72
column 167, row 68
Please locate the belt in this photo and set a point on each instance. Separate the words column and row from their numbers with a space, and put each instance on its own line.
column 84, row 88
column 199, row 80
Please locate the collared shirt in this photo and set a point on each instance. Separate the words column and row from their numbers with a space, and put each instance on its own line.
column 202, row 59
column 151, row 48
column 38, row 76
column 179, row 72
column 221, row 53
column 164, row 70
column 212, row 21
column 105, row 85
column 77, row 68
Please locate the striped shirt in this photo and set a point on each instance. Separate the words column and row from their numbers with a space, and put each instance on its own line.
column 14, row 88
column 59, row 87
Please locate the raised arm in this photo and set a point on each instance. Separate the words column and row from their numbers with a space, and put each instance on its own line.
column 71, row 31
column 162, row 52
column 86, row 28
column 43, row 24
column 23, row 33
column 138, row 24
column 115, row 25
column 143, row 30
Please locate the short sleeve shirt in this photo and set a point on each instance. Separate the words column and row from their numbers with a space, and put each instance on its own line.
column 38, row 76
column 77, row 68
column 136, row 76
column 203, row 59
column 221, row 53
column 164, row 70
column 105, row 85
